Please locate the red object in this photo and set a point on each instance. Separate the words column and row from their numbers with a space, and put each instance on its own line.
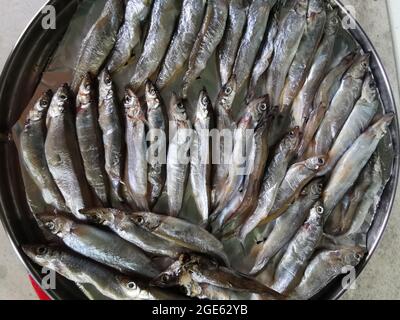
column 39, row 291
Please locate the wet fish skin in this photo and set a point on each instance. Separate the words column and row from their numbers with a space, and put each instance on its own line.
column 323, row 268
column 257, row 19
column 200, row 164
column 162, row 23
column 316, row 19
column 299, row 251
column 301, row 106
column 121, row 223
column 32, row 142
column 341, row 105
column 209, row 37
column 287, row 225
column 286, row 44
column 230, row 42
column 129, row 34
column 358, row 121
column 272, row 180
column 177, row 166
column 84, row 271
column 99, row 245
column 322, row 100
column 182, row 43
column 181, row 233
column 89, row 138
column 136, row 162
column 99, row 42
column 61, row 148
column 112, row 133
column 157, row 123
column 353, row 161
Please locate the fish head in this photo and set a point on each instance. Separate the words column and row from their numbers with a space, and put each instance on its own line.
column 177, row 108
column 41, row 253
column 130, row 287
column 170, row 277
column 39, row 110
column 60, row 102
column 86, row 90
column 317, row 214
column 56, row 224
column 292, row 140
column 204, row 106
column 333, row 23
column 260, row 110
column 132, row 106
column 146, row 220
column 369, row 90
column 360, row 66
column 350, row 256
column 152, row 96
column 106, row 87
column 227, row 94
column 101, row 216
column 315, row 163
column 313, row 189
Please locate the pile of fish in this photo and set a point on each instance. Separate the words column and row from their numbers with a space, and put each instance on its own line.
column 276, row 211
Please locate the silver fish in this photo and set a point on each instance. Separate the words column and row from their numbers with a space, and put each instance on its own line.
column 112, row 131
column 299, row 251
column 162, row 23
column 272, row 181
column 287, row 225
column 178, row 155
column 89, row 139
column 324, row 267
column 257, row 19
column 229, row 45
column 181, row 233
column 200, row 164
column 136, row 162
column 358, row 121
column 207, row 41
column 129, row 34
column 32, row 142
column 353, row 161
column 286, row 44
column 61, row 148
column 182, row 43
column 314, row 30
column 84, row 271
column 99, row 42
column 157, row 122
column 99, row 245
column 303, row 102
column 341, row 106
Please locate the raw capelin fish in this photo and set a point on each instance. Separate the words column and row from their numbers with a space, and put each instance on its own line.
column 99, row 42
column 178, row 157
column 286, row 44
column 182, row 43
column 101, row 246
column 112, row 133
column 324, row 267
column 230, row 42
column 322, row 100
column 89, row 138
column 129, row 34
column 257, row 19
column 136, row 145
column 210, row 35
column 32, row 142
column 225, row 125
column 358, row 121
column 272, row 180
column 61, row 148
column 341, row 106
column 84, row 271
column 156, row 156
column 353, row 161
column 314, row 30
column 301, row 106
column 162, row 23
column 200, row 161
column 299, row 251
column 287, row 225
column 122, row 223
column 181, row 233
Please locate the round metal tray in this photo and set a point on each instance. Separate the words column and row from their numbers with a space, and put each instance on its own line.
column 18, row 81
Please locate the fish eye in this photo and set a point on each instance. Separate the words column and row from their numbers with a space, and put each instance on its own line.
column 263, row 107
column 204, row 101
column 228, row 90
column 165, row 278
column 152, row 91
column 107, row 80
column 335, row 20
column 51, row 225
column 180, row 106
column 357, row 256
column 63, row 97
column 131, row 285
column 321, row 161
column 127, row 99
column 185, row 258
column 42, row 250
column 140, row 220
column 43, row 102
column 320, row 210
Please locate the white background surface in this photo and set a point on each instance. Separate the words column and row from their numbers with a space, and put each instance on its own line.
column 381, row 277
